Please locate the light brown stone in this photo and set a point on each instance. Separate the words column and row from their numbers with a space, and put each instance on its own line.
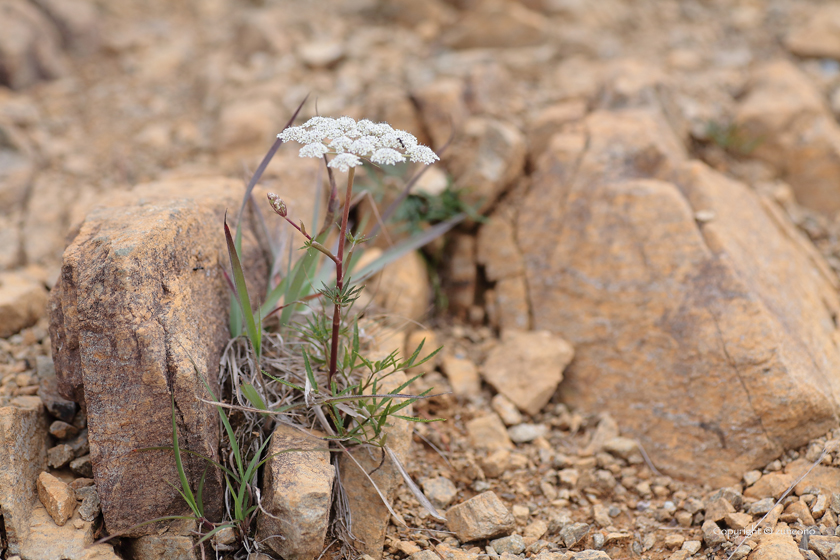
column 402, row 288
column 297, row 489
column 73, row 541
column 488, row 432
column 497, row 23
column 526, row 367
column 369, row 515
column 770, row 485
column 481, row 517
column 826, row 479
column 732, row 311
column 23, row 455
column 496, row 247
column 461, row 273
column 795, row 133
column 22, row 302
column 57, row 497
column 485, row 159
column 153, row 547
column 462, row 375
column 819, row 37
column 140, row 295
column 247, row 122
column 442, row 108
column 775, row 546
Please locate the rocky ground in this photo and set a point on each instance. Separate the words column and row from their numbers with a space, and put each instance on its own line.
column 687, row 257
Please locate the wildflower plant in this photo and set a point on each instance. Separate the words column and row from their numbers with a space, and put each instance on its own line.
column 312, row 368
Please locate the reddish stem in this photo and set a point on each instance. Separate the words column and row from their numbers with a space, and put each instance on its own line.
column 339, row 276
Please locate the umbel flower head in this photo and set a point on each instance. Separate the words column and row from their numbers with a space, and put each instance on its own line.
column 350, row 142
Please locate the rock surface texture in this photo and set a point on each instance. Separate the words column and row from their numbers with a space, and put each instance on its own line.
column 140, row 295
column 722, row 327
column 297, row 490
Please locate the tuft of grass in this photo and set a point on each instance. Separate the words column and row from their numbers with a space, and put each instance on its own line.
column 732, row 138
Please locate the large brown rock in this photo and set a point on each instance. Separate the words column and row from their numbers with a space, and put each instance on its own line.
column 141, row 294
column 23, row 455
column 795, row 132
column 297, row 491
column 712, row 341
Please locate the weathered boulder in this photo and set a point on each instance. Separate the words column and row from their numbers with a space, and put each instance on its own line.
column 794, row 130
column 297, row 491
column 713, row 341
column 818, row 37
column 140, row 297
column 23, row 455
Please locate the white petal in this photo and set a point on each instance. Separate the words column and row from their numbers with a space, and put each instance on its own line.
column 343, row 162
column 314, row 150
column 422, row 154
column 387, row 156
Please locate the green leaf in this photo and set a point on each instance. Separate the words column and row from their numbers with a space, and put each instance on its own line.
column 253, row 396
column 416, row 419
column 254, row 335
column 185, row 485
column 309, row 374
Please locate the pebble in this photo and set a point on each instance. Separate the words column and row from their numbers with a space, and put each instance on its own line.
column 506, row 410
column 512, row 544
column 573, row 533
column 762, row 506
column 751, row 477
column 439, row 490
column 60, row 456
column 462, row 374
column 90, row 506
column 82, row 466
column 712, row 535
column 58, row 498
column 590, row 555
column 321, row 54
column 819, row 507
column 424, row 555
column 525, row 433
column 488, row 432
column 693, row 547
column 63, row 430
column 481, row 517
column 521, row 514
column 57, row 405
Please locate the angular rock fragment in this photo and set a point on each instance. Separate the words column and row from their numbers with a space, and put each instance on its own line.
column 22, row 301
column 526, row 367
column 439, row 490
column 57, row 497
column 23, row 455
column 141, row 297
column 73, row 541
column 154, row 547
column 481, row 517
column 57, row 405
column 462, row 375
column 60, row 456
column 297, row 490
column 488, row 432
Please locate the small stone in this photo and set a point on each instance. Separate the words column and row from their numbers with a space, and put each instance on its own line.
column 406, row 547
column 573, row 533
column 683, row 518
column 495, row 463
column 512, row 545
column 321, row 54
column 717, row 508
column 598, row 540
column 737, row 521
column 673, row 541
column 225, row 537
column 820, row 506
column 462, row 374
column 762, row 506
column 481, row 517
column 527, row 366
column 740, row 552
column 450, row 552
column 57, row 405
column 80, row 443
column 506, row 410
column 534, row 531
column 569, row 477
column 693, row 547
column 590, row 555
column 57, row 497
column 63, row 430
column 90, row 506
column 751, row 477
column 623, row 447
column 60, row 456
column 525, row 433
column 798, row 511
column 601, row 515
column 22, row 302
column 712, row 535
column 440, row 491
column 81, row 483
column 521, row 514
column 679, row 555
column 488, row 432
column 424, row 555
column 153, row 547
column 82, row 466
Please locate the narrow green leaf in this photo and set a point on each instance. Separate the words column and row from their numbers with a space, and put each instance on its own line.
column 309, row 373
column 416, row 419
column 242, row 295
column 253, row 396
column 185, row 485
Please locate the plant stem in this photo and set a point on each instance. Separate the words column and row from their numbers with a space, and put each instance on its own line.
column 339, row 276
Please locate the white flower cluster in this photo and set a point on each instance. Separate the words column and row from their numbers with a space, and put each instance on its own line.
column 350, row 141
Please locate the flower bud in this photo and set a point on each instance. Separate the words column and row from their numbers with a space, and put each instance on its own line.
column 277, row 204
